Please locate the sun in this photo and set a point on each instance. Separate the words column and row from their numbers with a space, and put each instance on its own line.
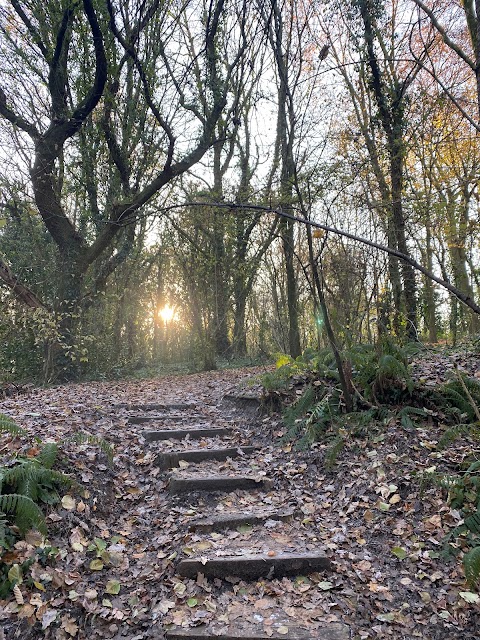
column 167, row 313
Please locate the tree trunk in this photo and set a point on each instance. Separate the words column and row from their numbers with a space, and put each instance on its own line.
column 408, row 274
column 430, row 315
column 288, row 239
column 222, row 341
column 239, row 328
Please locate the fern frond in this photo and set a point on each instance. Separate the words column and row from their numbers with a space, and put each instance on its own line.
column 333, row 452
column 48, row 455
column 85, row 438
column 27, row 479
column 443, row 480
column 405, row 414
column 3, row 530
column 454, row 394
column 453, row 434
column 299, row 408
column 10, row 426
column 390, row 368
column 473, row 522
column 471, row 564
column 24, row 510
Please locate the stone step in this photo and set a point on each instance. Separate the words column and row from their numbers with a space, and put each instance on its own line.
column 193, row 434
column 172, row 458
column 178, row 484
column 327, row 631
column 164, row 417
column 154, row 407
column 234, row 520
column 251, row 567
column 243, row 400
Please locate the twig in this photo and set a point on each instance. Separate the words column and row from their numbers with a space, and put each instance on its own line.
column 467, row 393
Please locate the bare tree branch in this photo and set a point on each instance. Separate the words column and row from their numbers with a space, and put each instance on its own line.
column 22, row 292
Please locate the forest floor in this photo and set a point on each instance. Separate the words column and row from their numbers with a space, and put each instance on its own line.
column 118, row 542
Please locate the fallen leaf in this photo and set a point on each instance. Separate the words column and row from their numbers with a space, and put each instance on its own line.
column 69, row 625
column 68, row 503
column 48, row 617
column 96, row 565
column 468, row 596
column 325, row 585
column 399, row 552
column 113, row 587
column 179, row 588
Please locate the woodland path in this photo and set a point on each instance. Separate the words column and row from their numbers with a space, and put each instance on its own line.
column 196, row 474
column 373, row 531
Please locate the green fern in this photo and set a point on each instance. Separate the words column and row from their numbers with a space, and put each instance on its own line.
column 24, row 511
column 472, row 523
column 33, row 480
column 442, row 480
column 471, row 564
column 452, row 434
column 3, row 530
column 298, row 409
column 333, row 452
column 48, row 455
column 85, row 438
column 380, row 371
column 11, row 427
column 405, row 414
column 452, row 394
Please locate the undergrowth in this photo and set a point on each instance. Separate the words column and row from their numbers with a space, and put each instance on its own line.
column 384, row 390
column 28, row 483
column 379, row 376
column 463, row 493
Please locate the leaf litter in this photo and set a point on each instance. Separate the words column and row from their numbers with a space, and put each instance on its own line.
column 112, row 574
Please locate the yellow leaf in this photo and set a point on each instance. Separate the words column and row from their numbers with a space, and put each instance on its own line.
column 68, row 503
column 96, row 565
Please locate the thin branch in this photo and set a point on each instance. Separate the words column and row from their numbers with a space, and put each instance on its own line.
column 22, row 292
column 458, row 50
column 460, row 295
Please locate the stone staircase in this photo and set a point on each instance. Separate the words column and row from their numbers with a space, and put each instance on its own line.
column 198, row 468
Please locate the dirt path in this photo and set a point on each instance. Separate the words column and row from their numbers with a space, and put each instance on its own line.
column 293, row 552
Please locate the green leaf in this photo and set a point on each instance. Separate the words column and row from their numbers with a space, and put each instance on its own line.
column 100, row 544
column 244, row 528
column 471, row 564
column 325, row 585
column 15, row 574
column 469, row 596
column 113, row 587
column 96, row 565
column 399, row 552
column 192, row 602
column 283, row 360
